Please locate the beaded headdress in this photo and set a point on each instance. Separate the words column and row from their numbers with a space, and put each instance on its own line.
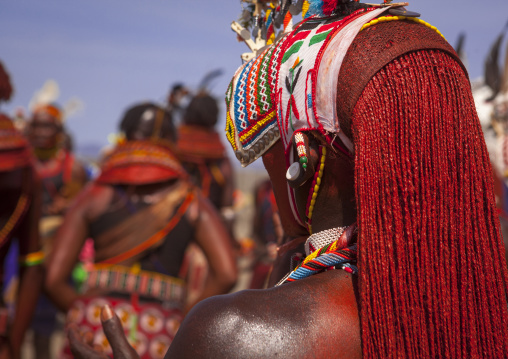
column 274, row 94
column 52, row 110
column 14, row 149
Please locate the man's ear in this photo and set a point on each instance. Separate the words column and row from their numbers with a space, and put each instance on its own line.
column 306, row 150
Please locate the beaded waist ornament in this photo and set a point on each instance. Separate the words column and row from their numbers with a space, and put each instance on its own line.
column 122, row 279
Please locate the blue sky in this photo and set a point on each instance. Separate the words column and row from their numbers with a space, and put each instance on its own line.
column 112, row 53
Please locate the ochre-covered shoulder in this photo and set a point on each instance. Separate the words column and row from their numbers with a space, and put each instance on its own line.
column 376, row 46
column 314, row 317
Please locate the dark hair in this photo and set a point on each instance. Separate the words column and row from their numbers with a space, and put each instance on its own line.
column 177, row 87
column 5, row 84
column 134, row 115
column 202, row 111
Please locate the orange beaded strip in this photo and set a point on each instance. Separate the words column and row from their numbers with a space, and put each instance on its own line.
column 394, row 18
column 311, row 201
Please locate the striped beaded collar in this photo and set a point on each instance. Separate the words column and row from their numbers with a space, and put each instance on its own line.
column 336, row 250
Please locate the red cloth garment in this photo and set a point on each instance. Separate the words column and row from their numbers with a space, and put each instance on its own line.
column 198, row 144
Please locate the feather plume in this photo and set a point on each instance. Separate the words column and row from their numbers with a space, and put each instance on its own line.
column 49, row 93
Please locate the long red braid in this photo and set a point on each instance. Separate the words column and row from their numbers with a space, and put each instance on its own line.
column 433, row 277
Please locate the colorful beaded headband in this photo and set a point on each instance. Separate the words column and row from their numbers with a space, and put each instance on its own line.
column 274, row 94
column 50, row 110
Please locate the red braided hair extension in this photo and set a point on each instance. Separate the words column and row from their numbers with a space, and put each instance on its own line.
column 329, row 6
column 432, row 271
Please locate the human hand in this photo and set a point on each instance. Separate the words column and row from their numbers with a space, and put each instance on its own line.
column 82, row 347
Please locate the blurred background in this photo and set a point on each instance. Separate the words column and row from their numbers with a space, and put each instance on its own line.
column 110, row 53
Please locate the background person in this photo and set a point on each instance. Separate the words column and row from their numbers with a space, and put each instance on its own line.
column 142, row 213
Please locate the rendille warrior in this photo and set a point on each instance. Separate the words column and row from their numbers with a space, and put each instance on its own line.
column 19, row 216
column 372, row 124
column 142, row 212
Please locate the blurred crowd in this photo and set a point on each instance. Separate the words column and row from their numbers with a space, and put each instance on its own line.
column 148, row 227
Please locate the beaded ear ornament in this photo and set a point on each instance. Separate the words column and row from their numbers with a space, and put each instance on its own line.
column 296, row 173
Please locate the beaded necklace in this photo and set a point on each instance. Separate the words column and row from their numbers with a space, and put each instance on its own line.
column 314, row 188
column 330, row 256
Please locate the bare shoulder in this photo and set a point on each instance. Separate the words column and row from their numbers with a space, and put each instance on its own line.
column 93, row 200
column 317, row 316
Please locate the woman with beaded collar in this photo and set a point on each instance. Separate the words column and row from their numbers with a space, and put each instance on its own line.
column 142, row 213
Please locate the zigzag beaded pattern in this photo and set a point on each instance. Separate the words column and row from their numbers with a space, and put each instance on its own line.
column 240, row 98
column 252, row 80
column 261, row 118
column 264, row 91
column 274, row 65
column 230, row 127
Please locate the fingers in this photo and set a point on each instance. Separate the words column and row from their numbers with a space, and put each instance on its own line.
column 114, row 332
column 79, row 348
column 88, row 338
